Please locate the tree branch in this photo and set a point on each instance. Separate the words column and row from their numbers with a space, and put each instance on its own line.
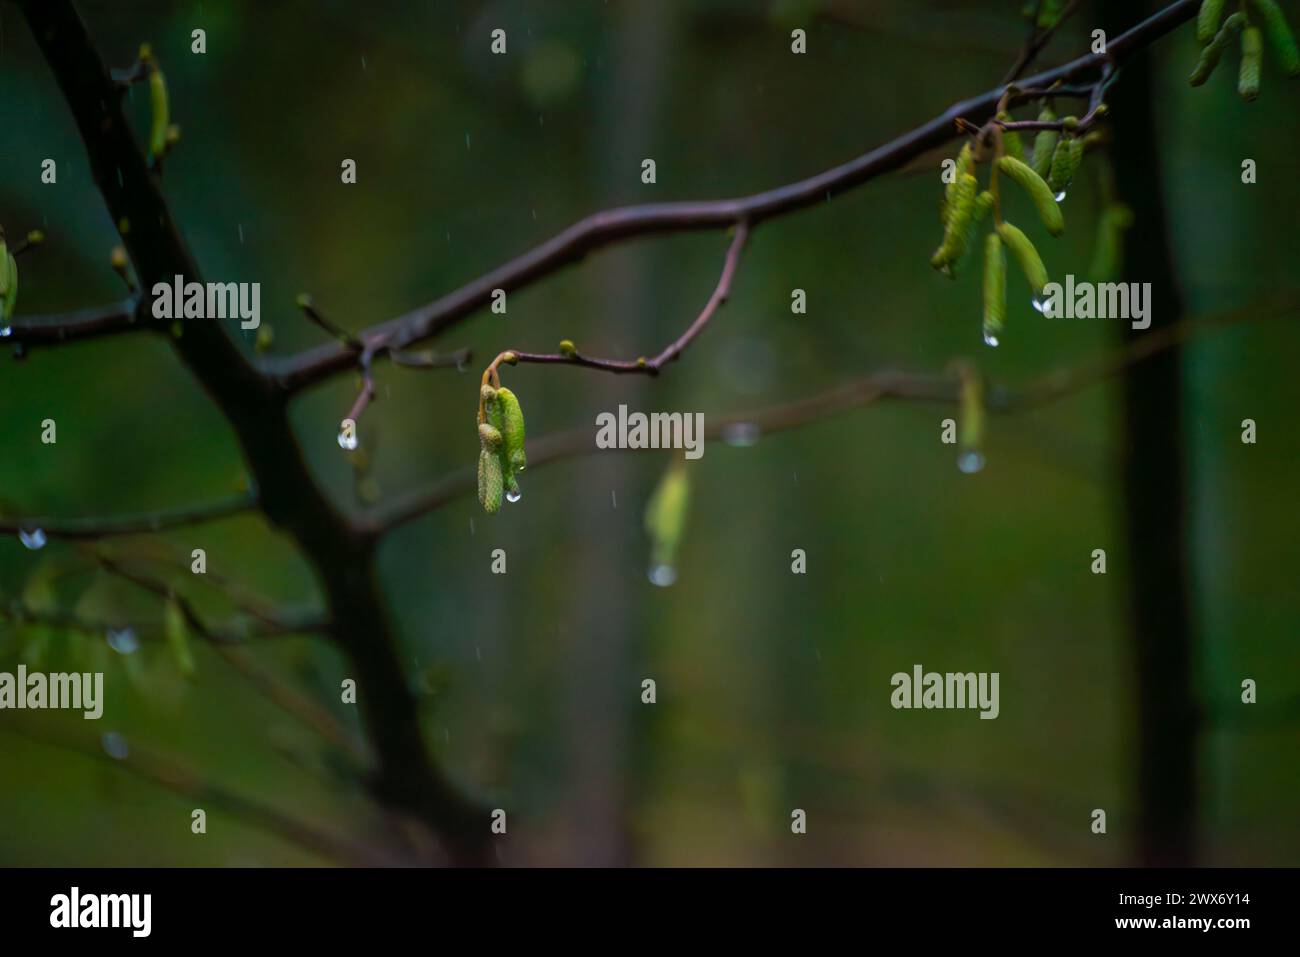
column 886, row 384
column 90, row 529
column 670, row 352
column 405, row 777
column 611, row 226
column 55, row 329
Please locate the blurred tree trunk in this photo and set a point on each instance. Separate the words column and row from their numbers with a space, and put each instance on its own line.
column 1155, row 486
column 603, row 690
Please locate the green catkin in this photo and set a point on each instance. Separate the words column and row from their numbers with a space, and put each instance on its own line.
column 995, row 288
column 984, row 204
column 1045, row 143
column 971, row 435
column 1065, row 163
column 158, row 102
column 492, row 409
column 1213, row 53
column 490, row 481
column 512, row 431
column 489, row 438
column 956, row 233
column 1011, row 143
column 665, row 515
column 1270, row 18
column 1252, row 59
column 1049, row 211
column 1031, row 264
column 965, row 163
column 177, row 633
column 11, row 287
column 1207, row 20
column 1108, row 253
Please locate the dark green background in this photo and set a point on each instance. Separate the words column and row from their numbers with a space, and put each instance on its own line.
column 773, row 688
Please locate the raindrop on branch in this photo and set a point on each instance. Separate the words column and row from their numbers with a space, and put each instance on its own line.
column 115, row 745
column 741, row 434
column 123, row 640
column 662, row 575
column 970, row 461
column 33, row 538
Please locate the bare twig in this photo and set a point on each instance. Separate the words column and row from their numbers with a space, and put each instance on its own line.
column 89, row 529
column 670, row 352
column 224, row 636
column 74, row 326
column 1037, row 41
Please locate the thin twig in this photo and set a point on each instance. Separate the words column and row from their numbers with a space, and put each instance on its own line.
column 223, row 636
column 671, row 351
column 1038, row 41
column 89, row 529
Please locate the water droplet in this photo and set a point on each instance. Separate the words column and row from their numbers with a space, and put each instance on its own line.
column 123, row 640
column 6, row 330
column 471, row 526
column 970, row 461
column 662, row 575
column 514, row 495
column 1060, row 196
column 741, row 434
column 241, row 234
column 990, row 340
column 347, row 440
column 613, row 499
column 115, row 745
column 33, row 538
column 1040, row 302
